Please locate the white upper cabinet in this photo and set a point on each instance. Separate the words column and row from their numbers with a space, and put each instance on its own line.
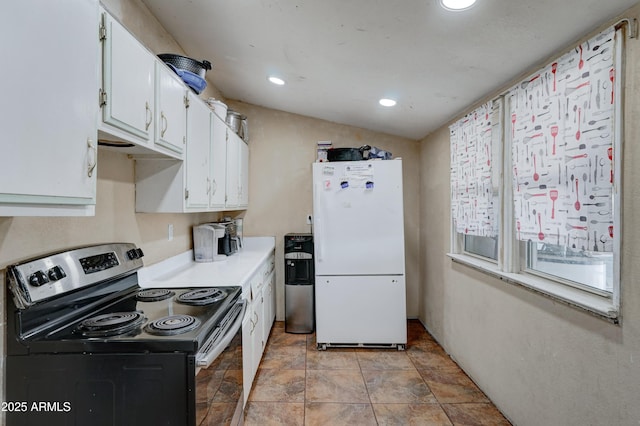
column 49, row 121
column 243, row 175
column 237, row 185
column 148, row 112
column 170, row 109
column 128, row 82
column 218, row 163
column 212, row 177
column 143, row 101
column 165, row 185
column 198, row 181
column 233, row 175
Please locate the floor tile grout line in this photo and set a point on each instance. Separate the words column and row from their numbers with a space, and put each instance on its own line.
column 417, row 337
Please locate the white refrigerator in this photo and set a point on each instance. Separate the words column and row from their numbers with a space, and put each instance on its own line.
column 359, row 254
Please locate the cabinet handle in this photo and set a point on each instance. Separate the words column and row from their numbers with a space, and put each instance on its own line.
column 165, row 124
column 148, row 116
column 208, row 186
column 215, row 187
column 92, row 161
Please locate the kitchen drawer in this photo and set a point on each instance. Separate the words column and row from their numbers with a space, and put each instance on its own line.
column 257, row 280
column 262, row 273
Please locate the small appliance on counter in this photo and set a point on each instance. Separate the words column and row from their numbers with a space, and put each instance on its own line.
column 230, row 242
column 217, row 240
column 239, row 231
column 208, row 238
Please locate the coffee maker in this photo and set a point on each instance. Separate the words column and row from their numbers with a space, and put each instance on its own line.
column 230, row 242
column 208, row 239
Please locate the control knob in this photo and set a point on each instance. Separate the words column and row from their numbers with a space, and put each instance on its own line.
column 56, row 273
column 135, row 253
column 38, row 278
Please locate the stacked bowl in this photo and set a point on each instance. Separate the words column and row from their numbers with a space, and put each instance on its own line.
column 190, row 70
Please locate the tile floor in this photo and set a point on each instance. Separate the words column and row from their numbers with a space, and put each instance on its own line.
column 299, row 385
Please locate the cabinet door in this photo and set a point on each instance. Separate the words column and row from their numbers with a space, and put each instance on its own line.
column 257, row 336
column 243, row 170
column 233, row 182
column 218, row 162
column 128, row 76
column 170, row 108
column 49, row 122
column 198, row 184
column 268, row 307
column 247, row 352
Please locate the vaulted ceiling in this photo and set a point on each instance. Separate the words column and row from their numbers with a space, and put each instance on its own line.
column 339, row 57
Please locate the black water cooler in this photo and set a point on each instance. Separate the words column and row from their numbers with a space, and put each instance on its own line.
column 299, row 279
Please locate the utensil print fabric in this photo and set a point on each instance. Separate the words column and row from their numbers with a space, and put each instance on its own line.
column 472, row 200
column 562, row 129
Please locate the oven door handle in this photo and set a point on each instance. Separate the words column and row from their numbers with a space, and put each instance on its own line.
column 213, row 349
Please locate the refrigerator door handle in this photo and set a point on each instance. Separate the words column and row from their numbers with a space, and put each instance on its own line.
column 319, row 220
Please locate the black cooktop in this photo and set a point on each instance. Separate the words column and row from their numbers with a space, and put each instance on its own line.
column 154, row 320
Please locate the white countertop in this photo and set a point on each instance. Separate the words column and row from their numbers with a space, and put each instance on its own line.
column 182, row 271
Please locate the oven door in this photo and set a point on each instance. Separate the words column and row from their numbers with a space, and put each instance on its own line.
column 219, row 387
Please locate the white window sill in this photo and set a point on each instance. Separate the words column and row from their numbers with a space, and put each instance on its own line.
column 592, row 303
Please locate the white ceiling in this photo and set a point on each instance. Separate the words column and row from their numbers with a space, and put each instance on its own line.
column 339, row 57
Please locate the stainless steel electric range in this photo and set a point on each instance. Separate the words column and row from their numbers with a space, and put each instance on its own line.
column 87, row 346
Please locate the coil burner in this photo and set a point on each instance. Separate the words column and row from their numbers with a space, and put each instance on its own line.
column 111, row 324
column 202, row 296
column 172, row 325
column 154, row 295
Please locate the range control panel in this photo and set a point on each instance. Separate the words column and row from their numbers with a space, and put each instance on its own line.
column 53, row 275
column 99, row 262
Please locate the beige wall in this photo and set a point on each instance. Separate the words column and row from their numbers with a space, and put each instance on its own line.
column 541, row 362
column 281, row 149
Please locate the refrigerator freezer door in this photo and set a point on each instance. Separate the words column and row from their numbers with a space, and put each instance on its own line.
column 359, row 224
column 361, row 310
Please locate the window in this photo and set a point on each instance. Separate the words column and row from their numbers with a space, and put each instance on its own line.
column 548, row 204
column 475, row 179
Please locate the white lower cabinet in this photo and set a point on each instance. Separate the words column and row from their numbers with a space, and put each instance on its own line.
column 257, row 323
column 268, row 307
column 248, row 373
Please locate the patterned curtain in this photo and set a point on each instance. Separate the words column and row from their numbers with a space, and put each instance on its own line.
column 472, row 201
column 562, row 130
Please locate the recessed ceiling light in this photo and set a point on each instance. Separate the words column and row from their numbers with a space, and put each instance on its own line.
column 457, row 4
column 387, row 102
column 276, row 80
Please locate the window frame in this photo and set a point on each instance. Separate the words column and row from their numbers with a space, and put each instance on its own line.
column 511, row 265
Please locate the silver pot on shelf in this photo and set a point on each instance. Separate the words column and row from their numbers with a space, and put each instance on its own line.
column 238, row 124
